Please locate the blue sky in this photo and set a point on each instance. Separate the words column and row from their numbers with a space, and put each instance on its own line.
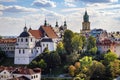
column 14, row 13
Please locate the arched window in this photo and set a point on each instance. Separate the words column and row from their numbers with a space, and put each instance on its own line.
column 22, row 40
column 26, row 40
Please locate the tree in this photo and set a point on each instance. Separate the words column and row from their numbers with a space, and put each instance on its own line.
column 77, row 43
column 60, row 48
column 91, row 43
column 91, row 46
column 97, row 71
column 109, row 57
column 42, row 64
column 72, row 70
column 113, row 69
column 2, row 54
column 84, row 41
column 86, row 61
column 52, row 59
column 67, row 39
column 72, row 57
column 46, row 50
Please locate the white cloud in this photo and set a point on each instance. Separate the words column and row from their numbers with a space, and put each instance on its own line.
column 44, row 3
column 16, row 8
column 95, row 1
column 7, row 0
column 69, row 4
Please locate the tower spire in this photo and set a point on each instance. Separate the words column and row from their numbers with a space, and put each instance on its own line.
column 65, row 24
column 86, row 17
column 25, row 28
column 56, row 24
column 45, row 24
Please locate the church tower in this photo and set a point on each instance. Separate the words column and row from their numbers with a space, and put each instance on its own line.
column 85, row 24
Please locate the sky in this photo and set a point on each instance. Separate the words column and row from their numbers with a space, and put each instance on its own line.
column 14, row 14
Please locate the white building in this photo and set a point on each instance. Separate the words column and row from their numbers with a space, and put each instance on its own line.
column 11, row 73
column 8, row 46
column 31, row 43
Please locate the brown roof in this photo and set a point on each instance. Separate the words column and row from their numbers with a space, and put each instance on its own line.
column 20, row 70
column 13, row 40
column 36, row 33
column 49, row 31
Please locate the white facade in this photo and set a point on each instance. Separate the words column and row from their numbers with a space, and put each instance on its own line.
column 36, row 76
column 4, row 75
column 28, row 47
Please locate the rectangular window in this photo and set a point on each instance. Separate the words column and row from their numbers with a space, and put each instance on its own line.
column 19, row 51
column 26, row 40
column 21, row 40
column 23, row 51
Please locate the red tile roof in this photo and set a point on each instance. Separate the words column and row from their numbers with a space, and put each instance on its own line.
column 13, row 40
column 49, row 31
column 106, row 42
column 20, row 70
column 36, row 33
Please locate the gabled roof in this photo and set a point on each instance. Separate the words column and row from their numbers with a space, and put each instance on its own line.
column 49, row 31
column 36, row 33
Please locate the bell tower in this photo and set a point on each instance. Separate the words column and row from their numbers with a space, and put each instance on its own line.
column 85, row 24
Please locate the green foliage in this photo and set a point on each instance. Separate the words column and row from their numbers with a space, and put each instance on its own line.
column 97, row 71
column 77, row 43
column 60, row 48
column 84, row 41
column 67, row 39
column 91, row 43
column 46, row 50
column 72, row 57
column 52, row 59
column 2, row 54
column 42, row 64
column 86, row 61
column 109, row 57
column 113, row 69
column 93, row 51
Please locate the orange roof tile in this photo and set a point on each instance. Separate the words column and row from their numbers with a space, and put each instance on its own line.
column 49, row 31
column 13, row 40
column 36, row 33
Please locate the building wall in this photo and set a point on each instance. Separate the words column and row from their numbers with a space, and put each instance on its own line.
column 36, row 76
column 4, row 75
column 51, row 46
column 117, row 50
column 8, row 48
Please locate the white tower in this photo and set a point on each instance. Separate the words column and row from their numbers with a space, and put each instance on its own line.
column 24, row 49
